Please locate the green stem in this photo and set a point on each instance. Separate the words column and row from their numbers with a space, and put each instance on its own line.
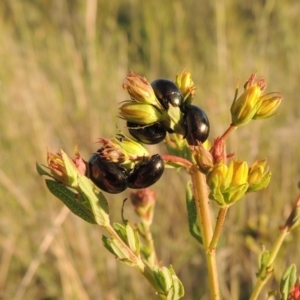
column 132, row 256
column 218, row 229
column 267, row 271
column 139, row 264
column 258, row 286
column 147, row 235
column 204, row 219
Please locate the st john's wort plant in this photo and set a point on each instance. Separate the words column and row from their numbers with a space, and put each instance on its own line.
column 163, row 111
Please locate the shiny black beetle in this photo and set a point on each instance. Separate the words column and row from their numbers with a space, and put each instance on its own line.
column 167, row 92
column 146, row 172
column 108, row 176
column 196, row 124
column 147, row 134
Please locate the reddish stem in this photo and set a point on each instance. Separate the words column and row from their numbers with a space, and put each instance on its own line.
column 228, row 131
column 177, row 160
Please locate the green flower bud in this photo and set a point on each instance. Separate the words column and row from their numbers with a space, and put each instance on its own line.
column 142, row 113
column 258, row 178
column 186, row 85
column 235, row 193
column 267, row 106
column 244, row 108
column 252, row 105
column 228, row 184
column 130, row 147
column 216, row 176
column 237, row 174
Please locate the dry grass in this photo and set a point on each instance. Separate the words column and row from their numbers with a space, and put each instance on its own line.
column 62, row 63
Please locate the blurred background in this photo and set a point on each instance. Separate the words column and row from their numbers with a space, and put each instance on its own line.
column 62, row 64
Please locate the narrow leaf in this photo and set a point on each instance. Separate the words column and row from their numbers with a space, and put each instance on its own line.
column 121, row 231
column 132, row 239
column 41, row 170
column 159, row 278
column 119, row 249
column 178, row 289
column 263, row 263
column 169, row 283
column 192, row 214
column 94, row 200
column 288, row 281
column 107, row 244
column 70, row 199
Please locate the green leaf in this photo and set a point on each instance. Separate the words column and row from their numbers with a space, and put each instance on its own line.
column 178, row 289
column 161, row 278
column 192, row 214
column 107, row 244
column 94, row 200
column 146, row 253
column 128, row 262
column 70, row 199
column 235, row 193
column 170, row 285
column 122, row 252
column 261, row 185
column 40, row 169
column 216, row 195
column 263, row 261
column 121, row 231
column 133, row 240
column 288, row 281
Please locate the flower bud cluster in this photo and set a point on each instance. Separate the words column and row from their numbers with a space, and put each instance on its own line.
column 163, row 106
column 119, row 164
column 229, row 184
column 252, row 104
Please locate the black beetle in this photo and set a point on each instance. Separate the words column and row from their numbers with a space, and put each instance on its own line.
column 147, row 134
column 197, row 125
column 108, row 176
column 146, row 172
column 166, row 91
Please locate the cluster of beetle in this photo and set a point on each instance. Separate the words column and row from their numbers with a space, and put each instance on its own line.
column 112, row 178
column 195, row 119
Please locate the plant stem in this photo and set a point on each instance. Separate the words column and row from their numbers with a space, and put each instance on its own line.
column 177, row 160
column 267, row 271
column 137, row 260
column 139, row 264
column 150, row 243
column 202, row 204
column 204, row 219
column 218, row 229
column 230, row 129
